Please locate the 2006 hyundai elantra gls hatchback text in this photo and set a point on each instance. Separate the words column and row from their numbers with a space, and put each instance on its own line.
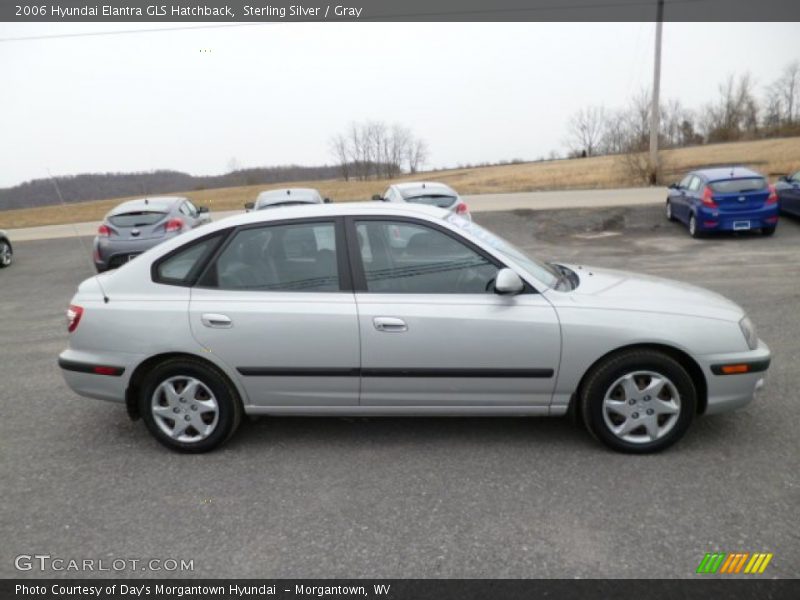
column 374, row 309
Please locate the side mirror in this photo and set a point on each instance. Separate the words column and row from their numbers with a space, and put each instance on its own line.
column 507, row 282
column 674, row 186
column 377, row 197
column 326, row 200
column 202, row 209
column 249, row 205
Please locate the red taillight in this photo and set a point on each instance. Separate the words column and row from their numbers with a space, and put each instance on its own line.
column 74, row 314
column 773, row 196
column 174, row 225
column 105, row 370
column 462, row 209
column 104, row 231
column 708, row 198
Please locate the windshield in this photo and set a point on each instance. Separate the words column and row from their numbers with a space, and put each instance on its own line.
column 541, row 271
column 136, row 219
column 440, row 200
column 738, row 186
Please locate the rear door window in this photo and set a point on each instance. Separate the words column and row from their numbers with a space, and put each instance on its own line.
column 182, row 265
column 694, row 184
column 739, row 186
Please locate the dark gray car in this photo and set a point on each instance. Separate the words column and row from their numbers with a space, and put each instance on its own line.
column 6, row 250
column 138, row 225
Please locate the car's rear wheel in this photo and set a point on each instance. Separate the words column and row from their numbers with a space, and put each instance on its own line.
column 638, row 401
column 6, row 254
column 768, row 231
column 189, row 406
column 668, row 211
column 694, row 231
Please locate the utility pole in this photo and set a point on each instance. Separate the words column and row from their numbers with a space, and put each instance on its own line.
column 655, row 118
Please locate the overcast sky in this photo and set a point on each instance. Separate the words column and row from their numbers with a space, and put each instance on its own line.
column 275, row 93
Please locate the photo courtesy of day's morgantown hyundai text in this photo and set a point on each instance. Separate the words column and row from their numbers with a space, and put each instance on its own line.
column 399, row 309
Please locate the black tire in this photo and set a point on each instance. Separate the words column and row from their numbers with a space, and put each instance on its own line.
column 602, row 379
column 668, row 211
column 6, row 253
column 768, row 231
column 693, row 229
column 229, row 406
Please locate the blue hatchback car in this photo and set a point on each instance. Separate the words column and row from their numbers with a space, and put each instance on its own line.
column 723, row 199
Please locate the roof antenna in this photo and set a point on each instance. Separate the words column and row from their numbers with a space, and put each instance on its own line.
column 84, row 249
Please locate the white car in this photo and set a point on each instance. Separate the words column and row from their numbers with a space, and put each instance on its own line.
column 429, row 193
column 286, row 197
column 316, row 310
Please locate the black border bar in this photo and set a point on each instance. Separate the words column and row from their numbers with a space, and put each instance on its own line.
column 754, row 366
column 233, row 11
column 696, row 588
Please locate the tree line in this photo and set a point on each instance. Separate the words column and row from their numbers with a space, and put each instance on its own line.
column 738, row 112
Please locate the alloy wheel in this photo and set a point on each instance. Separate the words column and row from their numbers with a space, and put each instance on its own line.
column 185, row 409
column 641, row 407
column 5, row 254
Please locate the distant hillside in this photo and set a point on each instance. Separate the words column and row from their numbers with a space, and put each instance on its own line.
column 98, row 186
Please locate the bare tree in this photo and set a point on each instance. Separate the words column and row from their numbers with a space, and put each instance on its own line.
column 341, row 151
column 417, row 155
column 735, row 113
column 789, row 88
column 586, row 130
column 372, row 148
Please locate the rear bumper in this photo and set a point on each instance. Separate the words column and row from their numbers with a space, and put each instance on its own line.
column 103, row 377
column 110, row 254
column 729, row 392
column 733, row 220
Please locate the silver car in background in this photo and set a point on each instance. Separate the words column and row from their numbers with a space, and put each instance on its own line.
column 6, row 250
column 317, row 310
column 286, row 197
column 429, row 193
column 137, row 225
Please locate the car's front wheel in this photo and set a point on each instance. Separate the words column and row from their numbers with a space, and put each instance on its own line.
column 189, row 406
column 638, row 401
column 6, row 254
column 668, row 211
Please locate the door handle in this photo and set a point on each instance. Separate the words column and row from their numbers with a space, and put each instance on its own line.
column 389, row 324
column 216, row 320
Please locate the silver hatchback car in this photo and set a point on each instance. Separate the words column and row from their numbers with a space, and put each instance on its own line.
column 379, row 309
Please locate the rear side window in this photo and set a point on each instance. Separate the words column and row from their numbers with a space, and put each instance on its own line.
column 136, row 219
column 182, row 265
column 739, row 186
column 694, row 184
column 292, row 258
column 440, row 200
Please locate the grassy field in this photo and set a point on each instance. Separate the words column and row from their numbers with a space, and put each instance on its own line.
column 772, row 157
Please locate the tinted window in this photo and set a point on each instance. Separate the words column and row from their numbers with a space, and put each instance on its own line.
column 298, row 258
column 440, row 200
column 404, row 258
column 738, row 186
column 136, row 219
column 177, row 268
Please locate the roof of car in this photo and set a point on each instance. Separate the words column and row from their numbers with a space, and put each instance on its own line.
column 727, row 173
column 410, row 188
column 154, row 203
column 301, row 211
column 290, row 195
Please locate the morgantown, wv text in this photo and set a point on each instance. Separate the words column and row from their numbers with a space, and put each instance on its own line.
column 200, row 10
column 208, row 591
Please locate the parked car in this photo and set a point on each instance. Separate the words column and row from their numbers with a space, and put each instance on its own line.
column 309, row 310
column 723, row 199
column 6, row 250
column 137, row 225
column 788, row 190
column 286, row 197
column 429, row 193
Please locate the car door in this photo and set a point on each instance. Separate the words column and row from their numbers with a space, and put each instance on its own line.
column 789, row 194
column 693, row 193
column 275, row 305
column 433, row 333
column 680, row 202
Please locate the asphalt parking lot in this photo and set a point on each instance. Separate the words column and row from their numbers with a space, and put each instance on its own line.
column 301, row 498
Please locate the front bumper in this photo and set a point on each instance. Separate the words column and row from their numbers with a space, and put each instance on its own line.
column 729, row 392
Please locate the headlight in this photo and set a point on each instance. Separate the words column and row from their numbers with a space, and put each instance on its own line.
column 749, row 331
